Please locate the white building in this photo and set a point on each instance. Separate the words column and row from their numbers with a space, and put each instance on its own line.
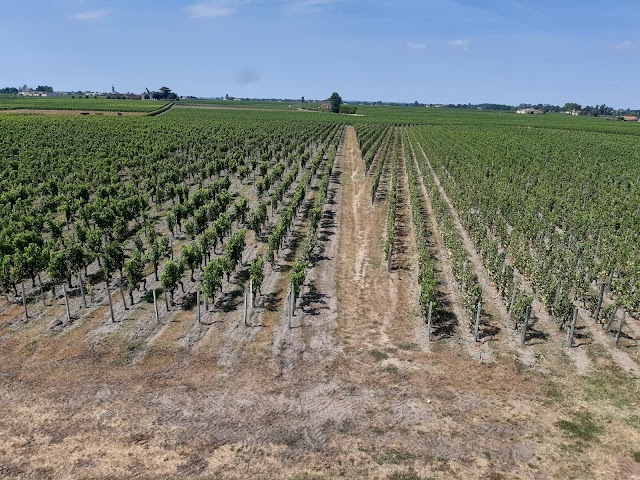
column 529, row 111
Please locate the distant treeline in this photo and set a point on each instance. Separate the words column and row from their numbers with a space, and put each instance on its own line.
column 13, row 90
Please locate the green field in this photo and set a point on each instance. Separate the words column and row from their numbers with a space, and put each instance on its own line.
column 12, row 102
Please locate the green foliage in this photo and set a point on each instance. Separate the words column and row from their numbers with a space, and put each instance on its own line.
column 241, row 208
column 58, row 269
column 212, row 277
column 256, row 273
column 192, row 257
column 134, row 269
column 348, row 109
column 227, row 265
column 336, row 100
column 171, row 275
column 520, row 190
column 298, row 273
column 258, row 217
column 235, row 247
column 113, row 257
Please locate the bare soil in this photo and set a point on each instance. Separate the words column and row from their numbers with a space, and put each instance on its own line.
column 351, row 391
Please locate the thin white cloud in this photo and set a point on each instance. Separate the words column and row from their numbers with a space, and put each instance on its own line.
column 416, row 46
column 626, row 45
column 89, row 15
column 309, row 6
column 463, row 44
column 211, row 9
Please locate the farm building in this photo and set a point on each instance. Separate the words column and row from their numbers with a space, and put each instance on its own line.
column 32, row 93
column 325, row 106
column 529, row 111
column 630, row 118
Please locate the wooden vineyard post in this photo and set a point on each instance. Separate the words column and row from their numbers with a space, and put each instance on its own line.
column 620, row 329
column 155, row 306
column 596, row 314
column 251, row 295
column 24, row 304
column 523, row 337
column 290, row 305
column 198, row 304
column 429, row 322
column 476, row 330
column 572, row 330
column 66, row 301
column 41, row 291
column 113, row 318
column 611, row 319
column 244, row 310
column 84, row 298
column 610, row 279
column 122, row 295
column 558, row 293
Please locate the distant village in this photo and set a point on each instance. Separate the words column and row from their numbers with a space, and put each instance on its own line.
column 164, row 93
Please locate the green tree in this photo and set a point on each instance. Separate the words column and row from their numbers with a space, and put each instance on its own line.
column 569, row 106
column 336, row 101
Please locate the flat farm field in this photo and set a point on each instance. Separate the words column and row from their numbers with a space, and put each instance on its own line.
column 11, row 103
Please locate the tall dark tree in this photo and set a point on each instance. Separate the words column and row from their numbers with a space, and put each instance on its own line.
column 336, row 101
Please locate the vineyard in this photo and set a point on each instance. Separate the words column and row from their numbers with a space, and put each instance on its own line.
column 66, row 103
column 260, row 292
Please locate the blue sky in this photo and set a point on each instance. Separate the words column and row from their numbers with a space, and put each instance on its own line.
column 452, row 51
